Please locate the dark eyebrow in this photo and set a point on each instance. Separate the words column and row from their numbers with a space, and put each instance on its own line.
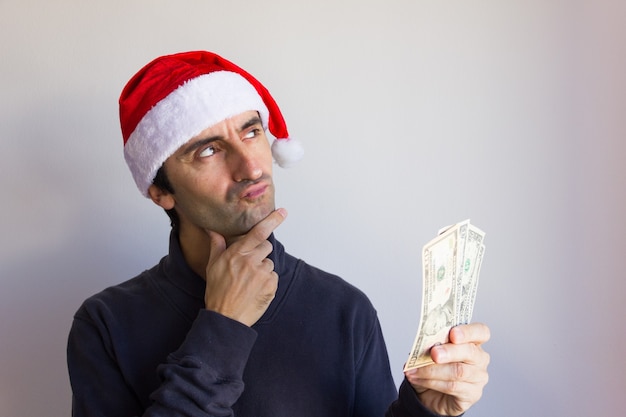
column 256, row 120
column 199, row 144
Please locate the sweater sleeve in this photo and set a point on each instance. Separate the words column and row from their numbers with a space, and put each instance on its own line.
column 375, row 387
column 407, row 404
column 203, row 377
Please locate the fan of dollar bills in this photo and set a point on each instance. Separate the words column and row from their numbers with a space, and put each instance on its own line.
column 450, row 268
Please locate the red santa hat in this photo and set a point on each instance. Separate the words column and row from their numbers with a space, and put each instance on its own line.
column 175, row 97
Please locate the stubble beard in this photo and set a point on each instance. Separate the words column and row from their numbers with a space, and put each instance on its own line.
column 243, row 219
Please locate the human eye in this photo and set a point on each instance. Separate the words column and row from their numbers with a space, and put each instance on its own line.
column 207, row 151
column 252, row 133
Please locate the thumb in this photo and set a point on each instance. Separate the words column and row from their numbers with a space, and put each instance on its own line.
column 217, row 246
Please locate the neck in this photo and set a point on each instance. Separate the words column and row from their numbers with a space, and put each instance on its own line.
column 195, row 245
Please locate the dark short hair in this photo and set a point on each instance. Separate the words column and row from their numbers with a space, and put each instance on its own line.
column 163, row 182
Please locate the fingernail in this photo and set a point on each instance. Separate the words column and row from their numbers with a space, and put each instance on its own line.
column 459, row 336
column 282, row 212
column 439, row 353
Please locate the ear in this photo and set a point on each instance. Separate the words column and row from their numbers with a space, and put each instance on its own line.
column 161, row 197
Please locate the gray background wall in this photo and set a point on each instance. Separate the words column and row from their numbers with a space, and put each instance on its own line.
column 415, row 114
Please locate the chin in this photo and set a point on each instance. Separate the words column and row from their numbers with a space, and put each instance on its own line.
column 251, row 218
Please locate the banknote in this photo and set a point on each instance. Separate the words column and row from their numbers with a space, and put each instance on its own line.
column 439, row 275
column 472, row 300
column 468, row 274
column 450, row 269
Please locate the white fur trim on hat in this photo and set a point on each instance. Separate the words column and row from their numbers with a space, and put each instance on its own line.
column 194, row 106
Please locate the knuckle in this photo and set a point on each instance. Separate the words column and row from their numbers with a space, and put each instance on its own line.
column 263, row 246
column 266, row 299
column 459, row 371
column 452, row 386
column 487, row 358
column 270, row 283
column 257, row 232
column 475, row 351
column 232, row 263
column 261, row 231
column 273, row 282
column 482, row 358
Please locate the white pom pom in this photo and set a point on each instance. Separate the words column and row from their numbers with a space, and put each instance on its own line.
column 287, row 152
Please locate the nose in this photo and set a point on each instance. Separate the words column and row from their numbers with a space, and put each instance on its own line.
column 245, row 163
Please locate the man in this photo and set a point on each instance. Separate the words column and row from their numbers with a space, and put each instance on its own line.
column 228, row 323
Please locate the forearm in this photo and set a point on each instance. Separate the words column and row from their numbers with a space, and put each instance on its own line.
column 202, row 377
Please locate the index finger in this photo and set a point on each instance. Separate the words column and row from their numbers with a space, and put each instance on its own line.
column 263, row 229
column 477, row 333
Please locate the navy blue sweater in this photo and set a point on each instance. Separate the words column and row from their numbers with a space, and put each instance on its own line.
column 147, row 347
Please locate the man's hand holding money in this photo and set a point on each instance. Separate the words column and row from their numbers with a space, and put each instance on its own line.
column 456, row 380
column 447, row 366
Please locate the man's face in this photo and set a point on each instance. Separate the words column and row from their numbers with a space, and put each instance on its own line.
column 222, row 178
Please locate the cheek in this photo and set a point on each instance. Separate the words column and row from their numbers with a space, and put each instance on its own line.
column 209, row 186
column 269, row 166
column 194, row 186
column 268, row 159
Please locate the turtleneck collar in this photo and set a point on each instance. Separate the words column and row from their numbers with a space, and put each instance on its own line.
column 178, row 274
